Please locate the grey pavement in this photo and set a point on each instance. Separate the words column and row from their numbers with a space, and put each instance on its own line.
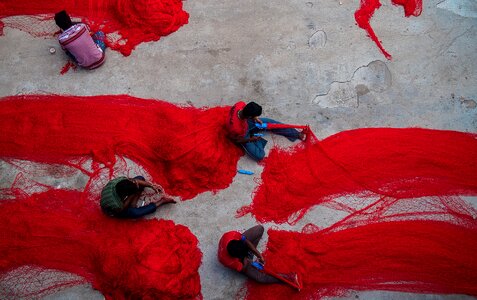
column 305, row 61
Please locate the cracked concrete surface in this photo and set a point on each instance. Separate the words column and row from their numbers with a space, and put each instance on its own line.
column 305, row 61
column 375, row 77
column 465, row 8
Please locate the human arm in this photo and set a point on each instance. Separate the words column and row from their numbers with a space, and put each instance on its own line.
column 142, row 183
column 254, row 251
column 128, row 201
column 243, row 140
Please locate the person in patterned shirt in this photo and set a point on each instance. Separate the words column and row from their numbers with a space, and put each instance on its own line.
column 120, row 196
column 241, row 129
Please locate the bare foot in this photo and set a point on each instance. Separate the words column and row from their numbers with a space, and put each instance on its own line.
column 302, row 135
column 166, row 199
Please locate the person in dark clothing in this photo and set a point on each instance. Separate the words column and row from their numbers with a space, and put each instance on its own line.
column 236, row 251
column 120, row 196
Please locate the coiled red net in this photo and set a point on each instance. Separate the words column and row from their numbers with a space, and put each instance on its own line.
column 63, row 230
column 374, row 162
column 48, row 226
column 182, row 148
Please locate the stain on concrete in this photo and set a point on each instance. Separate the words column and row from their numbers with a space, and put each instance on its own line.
column 258, row 87
column 375, row 77
column 465, row 8
column 468, row 103
column 216, row 52
column 317, row 39
column 361, row 90
column 243, row 81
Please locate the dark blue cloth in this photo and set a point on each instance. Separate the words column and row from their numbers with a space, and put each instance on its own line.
column 98, row 39
column 137, row 212
column 256, row 149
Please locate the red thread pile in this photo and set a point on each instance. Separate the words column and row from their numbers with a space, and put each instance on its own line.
column 126, row 22
column 421, row 256
column 62, row 230
column 382, row 162
column 183, row 148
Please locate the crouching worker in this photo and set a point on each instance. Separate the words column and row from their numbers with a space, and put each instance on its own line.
column 120, row 196
column 236, row 251
column 83, row 48
column 242, row 129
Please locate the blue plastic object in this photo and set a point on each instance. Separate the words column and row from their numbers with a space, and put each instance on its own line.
column 261, row 126
column 258, row 134
column 257, row 265
column 246, row 172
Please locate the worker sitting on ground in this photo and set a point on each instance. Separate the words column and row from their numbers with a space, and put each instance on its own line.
column 83, row 48
column 120, row 196
column 242, row 129
column 236, row 251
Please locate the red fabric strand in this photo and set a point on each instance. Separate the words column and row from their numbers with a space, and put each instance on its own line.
column 59, row 229
column 409, row 256
column 366, row 11
column 183, row 148
column 382, row 162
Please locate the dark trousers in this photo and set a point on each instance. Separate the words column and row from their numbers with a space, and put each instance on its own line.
column 134, row 212
column 256, row 149
column 254, row 235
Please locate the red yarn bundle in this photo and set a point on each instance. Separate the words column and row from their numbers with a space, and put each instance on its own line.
column 373, row 162
column 124, row 259
column 420, row 256
column 184, row 149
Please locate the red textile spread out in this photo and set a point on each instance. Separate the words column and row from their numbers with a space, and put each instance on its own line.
column 281, row 126
column 382, row 162
column 135, row 21
column 183, row 148
column 124, row 259
column 422, row 256
column 367, row 8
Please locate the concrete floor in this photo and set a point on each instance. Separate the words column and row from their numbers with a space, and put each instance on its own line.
column 305, row 61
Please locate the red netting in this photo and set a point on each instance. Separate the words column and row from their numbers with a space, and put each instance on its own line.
column 127, row 23
column 87, row 141
column 379, row 162
column 366, row 11
column 62, row 230
column 182, row 148
column 421, row 256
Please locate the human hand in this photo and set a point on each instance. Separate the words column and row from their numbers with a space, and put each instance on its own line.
column 261, row 259
column 157, row 188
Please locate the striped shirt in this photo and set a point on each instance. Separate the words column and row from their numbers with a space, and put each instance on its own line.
column 77, row 41
column 109, row 197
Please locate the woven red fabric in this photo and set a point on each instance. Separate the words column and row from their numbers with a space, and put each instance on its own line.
column 124, row 259
column 134, row 21
column 374, row 162
column 420, row 256
column 184, row 149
